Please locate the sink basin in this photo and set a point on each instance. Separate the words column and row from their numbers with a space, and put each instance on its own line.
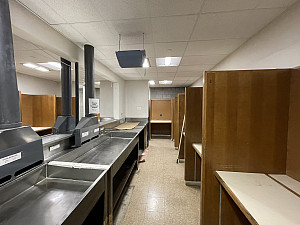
column 122, row 134
column 50, row 194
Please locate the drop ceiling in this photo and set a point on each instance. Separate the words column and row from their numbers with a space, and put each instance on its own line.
column 202, row 32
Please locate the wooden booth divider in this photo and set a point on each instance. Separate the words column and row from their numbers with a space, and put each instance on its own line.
column 58, row 106
column 38, row 111
column 251, row 123
column 172, row 118
column 178, row 117
column 193, row 132
column 160, row 117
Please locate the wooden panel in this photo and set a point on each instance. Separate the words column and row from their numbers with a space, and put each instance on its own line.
column 44, row 110
column 161, row 128
column 59, row 109
column 293, row 152
column 245, row 128
column 160, row 109
column 261, row 199
column 176, row 123
column 27, row 110
column 172, row 118
column 193, row 131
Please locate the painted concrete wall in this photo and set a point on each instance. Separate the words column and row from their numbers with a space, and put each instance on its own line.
column 276, row 46
column 106, row 99
column 137, row 97
column 37, row 86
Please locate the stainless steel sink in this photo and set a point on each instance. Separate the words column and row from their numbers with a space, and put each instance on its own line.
column 50, row 194
column 122, row 134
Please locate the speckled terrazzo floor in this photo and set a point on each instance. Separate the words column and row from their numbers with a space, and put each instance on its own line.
column 159, row 194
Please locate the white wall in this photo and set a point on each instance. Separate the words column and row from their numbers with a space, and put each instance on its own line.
column 37, row 86
column 198, row 83
column 106, row 99
column 276, row 46
column 137, row 96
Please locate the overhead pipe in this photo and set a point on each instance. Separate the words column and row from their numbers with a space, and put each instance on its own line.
column 66, row 87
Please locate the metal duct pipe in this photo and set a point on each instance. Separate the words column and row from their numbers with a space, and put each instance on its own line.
column 9, row 97
column 66, row 87
column 89, row 76
column 77, row 92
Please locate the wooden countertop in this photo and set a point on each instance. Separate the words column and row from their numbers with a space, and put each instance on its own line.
column 262, row 200
column 288, row 182
column 198, row 148
column 37, row 129
column 160, row 121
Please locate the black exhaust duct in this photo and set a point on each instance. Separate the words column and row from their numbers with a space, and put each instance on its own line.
column 20, row 147
column 66, row 122
column 88, row 126
column 77, row 92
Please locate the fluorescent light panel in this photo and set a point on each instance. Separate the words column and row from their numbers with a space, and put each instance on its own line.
column 51, row 65
column 165, row 82
column 43, row 69
column 151, row 82
column 168, row 61
column 146, row 63
column 30, row 65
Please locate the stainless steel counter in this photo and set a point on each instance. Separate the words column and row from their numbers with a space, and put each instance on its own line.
column 50, row 195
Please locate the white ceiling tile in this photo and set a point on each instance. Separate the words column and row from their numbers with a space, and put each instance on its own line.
column 174, row 49
column 43, row 10
column 23, row 45
column 132, row 71
column 150, row 52
column 99, row 55
column 228, row 5
column 275, row 3
column 201, row 59
column 195, row 68
column 213, row 47
column 122, row 9
column 165, row 75
column 69, row 32
column 174, row 28
column 152, row 62
column 76, row 11
column 112, row 63
column 132, row 30
column 34, row 56
column 239, row 24
column 189, row 74
column 98, row 33
column 167, row 69
column 174, row 7
column 108, row 51
column 185, row 78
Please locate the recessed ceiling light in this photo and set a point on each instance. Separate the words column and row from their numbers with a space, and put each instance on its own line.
column 168, row 61
column 42, row 69
column 151, row 82
column 30, row 65
column 146, row 63
column 97, row 82
column 165, row 82
column 51, row 65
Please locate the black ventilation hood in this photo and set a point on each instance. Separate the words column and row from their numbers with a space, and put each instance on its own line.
column 131, row 58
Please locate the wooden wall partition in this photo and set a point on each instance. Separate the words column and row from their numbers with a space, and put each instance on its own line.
column 193, row 131
column 58, row 106
column 26, row 102
column 38, row 110
column 160, row 109
column 172, row 118
column 245, row 129
column 293, row 146
column 176, row 122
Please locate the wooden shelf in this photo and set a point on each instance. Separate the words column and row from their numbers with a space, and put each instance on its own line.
column 38, row 129
column 198, row 148
column 160, row 121
column 261, row 199
column 287, row 181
